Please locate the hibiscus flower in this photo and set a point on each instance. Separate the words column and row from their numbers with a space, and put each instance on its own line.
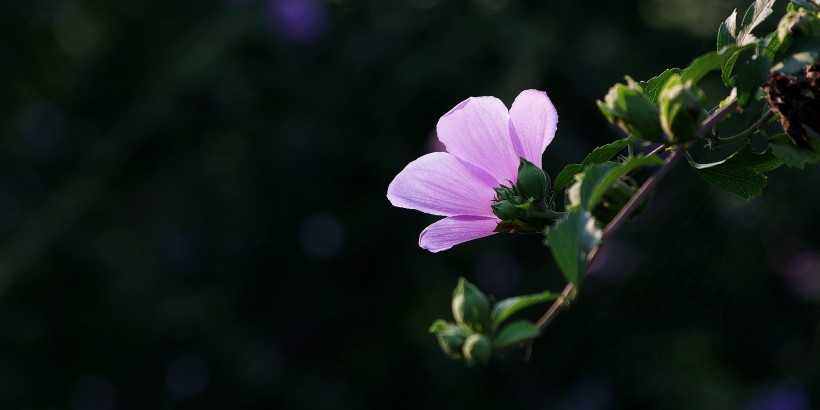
column 484, row 142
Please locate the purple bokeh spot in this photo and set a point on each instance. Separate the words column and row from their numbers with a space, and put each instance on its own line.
column 782, row 396
column 296, row 20
column 802, row 272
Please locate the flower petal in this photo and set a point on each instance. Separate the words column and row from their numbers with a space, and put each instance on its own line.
column 439, row 184
column 454, row 230
column 533, row 120
column 477, row 131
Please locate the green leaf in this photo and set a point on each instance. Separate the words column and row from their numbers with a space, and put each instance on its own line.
column 606, row 152
column 514, row 334
column 652, row 87
column 566, row 175
column 740, row 173
column 571, row 240
column 601, row 154
column 794, row 156
column 755, row 15
column 599, row 177
column 804, row 50
column 507, row 307
column 726, row 37
column 750, row 78
column 805, row 4
column 726, row 70
column 702, row 65
column 731, row 26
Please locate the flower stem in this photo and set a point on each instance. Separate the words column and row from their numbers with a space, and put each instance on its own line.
column 570, row 292
column 718, row 115
column 744, row 135
column 545, row 215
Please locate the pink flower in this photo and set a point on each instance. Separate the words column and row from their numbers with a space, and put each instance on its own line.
column 484, row 142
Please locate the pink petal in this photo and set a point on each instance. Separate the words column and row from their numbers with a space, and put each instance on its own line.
column 439, row 184
column 454, row 230
column 534, row 121
column 477, row 131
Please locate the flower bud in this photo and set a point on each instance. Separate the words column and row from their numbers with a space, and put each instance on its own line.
column 613, row 201
column 506, row 210
column 470, row 306
column 797, row 23
column 681, row 110
column 630, row 109
column 532, row 181
column 477, row 349
column 450, row 337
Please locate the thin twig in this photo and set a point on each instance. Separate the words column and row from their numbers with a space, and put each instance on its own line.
column 745, row 134
column 641, row 195
column 718, row 115
column 568, row 294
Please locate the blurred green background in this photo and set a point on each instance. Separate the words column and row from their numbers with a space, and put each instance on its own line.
column 193, row 214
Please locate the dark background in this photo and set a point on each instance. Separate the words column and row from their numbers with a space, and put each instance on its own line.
column 193, row 214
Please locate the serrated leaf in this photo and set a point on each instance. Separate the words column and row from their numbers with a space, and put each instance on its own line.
column 750, row 78
column 725, row 37
column 731, row 24
column 740, row 173
column 514, row 334
column 507, row 307
column 755, row 15
column 794, row 156
column 726, row 70
column 803, row 51
column 599, row 177
column 607, row 152
column 702, row 65
column 566, row 176
column 571, row 240
column 652, row 87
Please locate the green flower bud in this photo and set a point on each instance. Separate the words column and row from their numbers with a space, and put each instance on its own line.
column 450, row 338
column 470, row 306
column 532, row 181
column 797, row 23
column 477, row 349
column 630, row 109
column 613, row 201
column 506, row 210
column 681, row 110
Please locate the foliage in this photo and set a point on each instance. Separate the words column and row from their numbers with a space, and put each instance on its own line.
column 776, row 75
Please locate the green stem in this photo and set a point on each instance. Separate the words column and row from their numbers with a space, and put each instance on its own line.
column 570, row 292
column 718, row 115
column 545, row 215
column 745, row 134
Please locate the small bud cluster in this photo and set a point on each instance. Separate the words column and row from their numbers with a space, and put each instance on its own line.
column 523, row 206
column 473, row 337
column 674, row 119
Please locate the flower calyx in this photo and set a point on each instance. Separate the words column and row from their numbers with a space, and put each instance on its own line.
column 524, row 206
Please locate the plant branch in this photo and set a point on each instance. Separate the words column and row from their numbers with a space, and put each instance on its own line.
column 718, row 115
column 569, row 293
column 745, row 134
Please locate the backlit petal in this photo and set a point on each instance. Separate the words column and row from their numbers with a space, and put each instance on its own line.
column 439, row 184
column 454, row 230
column 534, row 121
column 477, row 131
